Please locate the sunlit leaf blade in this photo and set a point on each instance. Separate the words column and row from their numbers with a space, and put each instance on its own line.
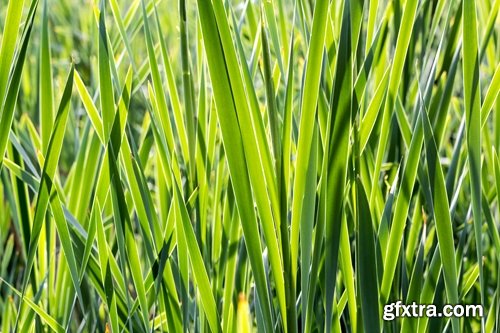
column 472, row 103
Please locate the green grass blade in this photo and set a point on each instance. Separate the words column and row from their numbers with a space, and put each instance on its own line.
column 403, row 40
column 235, row 157
column 8, row 46
column 46, row 94
column 442, row 216
column 472, row 103
column 106, row 95
column 309, row 99
column 337, row 152
column 366, row 263
column 8, row 103
column 198, row 267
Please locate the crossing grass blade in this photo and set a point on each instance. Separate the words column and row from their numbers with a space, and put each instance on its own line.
column 51, row 322
column 48, row 174
column 199, row 272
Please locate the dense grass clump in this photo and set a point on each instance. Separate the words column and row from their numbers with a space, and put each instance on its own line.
column 248, row 165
